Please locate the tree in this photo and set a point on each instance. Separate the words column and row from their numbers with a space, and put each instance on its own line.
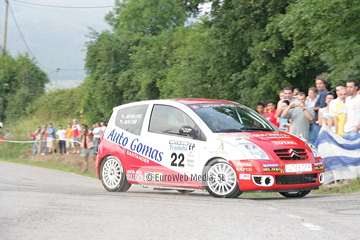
column 328, row 29
column 21, row 83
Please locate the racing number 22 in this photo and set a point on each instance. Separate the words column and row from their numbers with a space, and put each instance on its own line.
column 175, row 157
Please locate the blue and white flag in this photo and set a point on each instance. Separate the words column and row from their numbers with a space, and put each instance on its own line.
column 337, row 152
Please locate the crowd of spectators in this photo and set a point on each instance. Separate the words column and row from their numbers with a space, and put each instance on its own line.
column 304, row 114
column 75, row 139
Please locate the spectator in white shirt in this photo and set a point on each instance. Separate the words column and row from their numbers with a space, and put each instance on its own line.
column 352, row 103
column 96, row 138
column 332, row 105
column 61, row 133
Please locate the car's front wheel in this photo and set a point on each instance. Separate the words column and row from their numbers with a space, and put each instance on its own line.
column 295, row 194
column 112, row 175
column 221, row 180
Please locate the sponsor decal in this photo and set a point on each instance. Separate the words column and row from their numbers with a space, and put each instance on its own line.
column 284, row 142
column 135, row 145
column 131, row 175
column 318, row 163
column 243, row 164
column 190, row 160
column 273, row 170
column 130, row 118
column 220, row 150
column 174, row 142
column 270, row 136
column 244, row 169
column 141, row 158
column 244, row 176
column 319, row 167
column 271, row 165
column 232, row 136
column 181, row 146
column 178, row 148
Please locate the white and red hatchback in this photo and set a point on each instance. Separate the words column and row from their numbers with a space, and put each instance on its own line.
column 188, row 144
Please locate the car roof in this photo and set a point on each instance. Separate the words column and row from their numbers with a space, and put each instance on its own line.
column 185, row 101
column 189, row 101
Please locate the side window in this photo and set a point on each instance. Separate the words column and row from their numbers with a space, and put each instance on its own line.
column 167, row 119
column 131, row 118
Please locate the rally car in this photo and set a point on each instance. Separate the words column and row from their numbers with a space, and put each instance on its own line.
column 220, row 146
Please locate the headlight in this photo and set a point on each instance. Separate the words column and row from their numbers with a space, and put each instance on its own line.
column 255, row 152
column 313, row 149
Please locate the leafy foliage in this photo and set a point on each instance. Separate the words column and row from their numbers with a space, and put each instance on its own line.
column 243, row 50
column 21, row 82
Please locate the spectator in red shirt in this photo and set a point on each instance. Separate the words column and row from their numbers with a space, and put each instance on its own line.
column 270, row 115
column 88, row 145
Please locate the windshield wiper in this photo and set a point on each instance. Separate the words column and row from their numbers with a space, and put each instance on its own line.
column 256, row 129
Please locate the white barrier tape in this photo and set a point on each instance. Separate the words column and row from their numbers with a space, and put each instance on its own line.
column 17, row 141
column 3, row 140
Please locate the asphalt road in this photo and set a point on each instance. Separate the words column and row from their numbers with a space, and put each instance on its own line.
column 38, row 203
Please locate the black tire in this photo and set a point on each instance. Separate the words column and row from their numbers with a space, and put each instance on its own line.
column 185, row 191
column 112, row 175
column 295, row 194
column 221, row 180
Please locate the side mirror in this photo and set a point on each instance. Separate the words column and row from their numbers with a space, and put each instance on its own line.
column 188, row 131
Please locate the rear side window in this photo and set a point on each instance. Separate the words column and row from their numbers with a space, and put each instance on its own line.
column 131, row 118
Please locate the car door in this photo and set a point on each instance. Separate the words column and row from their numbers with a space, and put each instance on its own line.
column 169, row 131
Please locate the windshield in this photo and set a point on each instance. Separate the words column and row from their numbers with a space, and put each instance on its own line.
column 223, row 118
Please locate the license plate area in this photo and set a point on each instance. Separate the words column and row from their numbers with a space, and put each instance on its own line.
column 290, row 168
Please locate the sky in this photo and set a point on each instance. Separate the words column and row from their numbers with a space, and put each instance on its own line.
column 56, row 36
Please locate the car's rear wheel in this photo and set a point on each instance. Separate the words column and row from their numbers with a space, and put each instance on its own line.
column 221, row 180
column 112, row 175
column 295, row 194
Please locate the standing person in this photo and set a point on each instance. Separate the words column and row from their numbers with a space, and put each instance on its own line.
column 61, row 133
column 324, row 113
column 320, row 103
column 76, row 132
column 352, row 102
column 270, row 105
column 50, row 138
column 340, row 113
column 102, row 126
column 43, row 140
column 285, row 94
column 37, row 140
column 288, row 93
column 300, row 116
column 33, row 137
column 97, row 132
column 87, row 145
column 260, row 107
column 283, row 122
column 333, row 103
column 295, row 92
column 312, row 97
column 69, row 139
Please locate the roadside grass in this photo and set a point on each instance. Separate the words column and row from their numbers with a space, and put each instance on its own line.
column 52, row 164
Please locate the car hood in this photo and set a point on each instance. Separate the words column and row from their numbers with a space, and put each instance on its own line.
column 264, row 139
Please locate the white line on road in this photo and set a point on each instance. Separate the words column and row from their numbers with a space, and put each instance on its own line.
column 312, row 226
